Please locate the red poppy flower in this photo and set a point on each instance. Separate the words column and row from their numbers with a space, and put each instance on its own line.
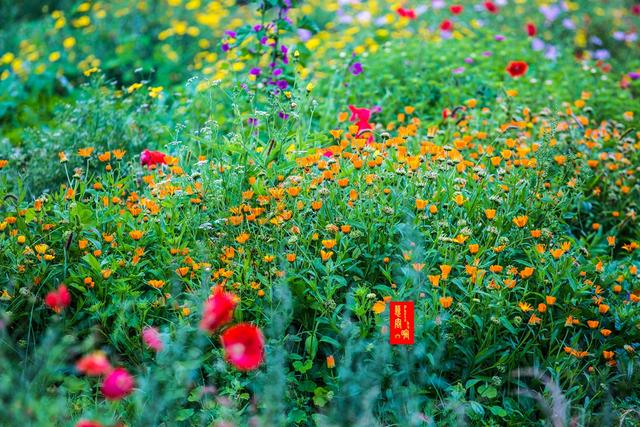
column 446, row 25
column 491, row 7
column 531, row 29
column 635, row 9
column 150, row 158
column 59, row 299
column 456, row 9
column 88, row 423
column 406, row 13
column 517, row 68
column 243, row 346
column 118, row 384
column 218, row 310
column 94, row 364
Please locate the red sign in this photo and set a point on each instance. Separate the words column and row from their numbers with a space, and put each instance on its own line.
column 401, row 322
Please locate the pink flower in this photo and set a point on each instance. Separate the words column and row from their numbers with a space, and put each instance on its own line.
column 88, row 423
column 59, row 299
column 152, row 339
column 151, row 158
column 118, row 384
column 243, row 346
column 218, row 310
column 361, row 116
column 94, row 364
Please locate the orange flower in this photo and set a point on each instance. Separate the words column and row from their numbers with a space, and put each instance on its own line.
column 603, row 308
column 435, row 280
column 421, row 204
column 446, row 302
column 135, row 234
column 490, row 213
column 85, row 152
column 521, row 221
column 331, row 363
column 326, row 255
column 379, row 307
column 291, row 257
column 156, row 283
column 593, row 324
column 329, row 244
column 474, row 248
column 445, row 269
column 242, row 238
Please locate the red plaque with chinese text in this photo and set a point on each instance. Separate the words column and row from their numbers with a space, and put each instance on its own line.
column 401, row 322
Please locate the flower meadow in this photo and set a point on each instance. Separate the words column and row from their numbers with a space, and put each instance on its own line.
column 208, row 208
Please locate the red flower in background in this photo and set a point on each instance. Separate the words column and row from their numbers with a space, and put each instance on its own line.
column 243, row 346
column 218, row 310
column 59, row 299
column 406, row 13
column 456, row 9
column 117, row 384
column 150, row 158
column 635, row 9
column 88, row 423
column 531, row 29
column 94, row 364
column 517, row 68
column 446, row 25
column 491, row 7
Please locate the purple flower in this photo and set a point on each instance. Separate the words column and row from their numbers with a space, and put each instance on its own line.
column 438, row 4
column 550, row 13
column 277, row 71
column 356, row 68
column 633, row 75
column 225, row 47
column 568, row 24
column 551, row 53
column 499, row 37
column 487, row 53
column 458, row 70
column 468, row 60
column 282, row 84
column 601, row 54
column 255, row 71
column 304, row 34
column 283, row 115
column 257, row 28
column 231, row 34
column 537, row 44
column 252, row 121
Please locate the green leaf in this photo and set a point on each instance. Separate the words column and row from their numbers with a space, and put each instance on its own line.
column 498, row 411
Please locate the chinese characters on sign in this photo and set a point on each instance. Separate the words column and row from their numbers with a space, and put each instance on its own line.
column 401, row 322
